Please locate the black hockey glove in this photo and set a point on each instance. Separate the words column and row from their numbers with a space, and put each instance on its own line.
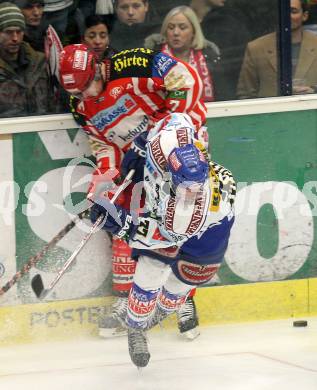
column 135, row 158
column 118, row 221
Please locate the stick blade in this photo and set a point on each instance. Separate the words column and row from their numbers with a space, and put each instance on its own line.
column 38, row 286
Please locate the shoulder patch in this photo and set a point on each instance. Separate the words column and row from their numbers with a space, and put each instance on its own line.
column 163, row 63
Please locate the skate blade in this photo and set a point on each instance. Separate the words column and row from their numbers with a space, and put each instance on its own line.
column 108, row 333
column 191, row 334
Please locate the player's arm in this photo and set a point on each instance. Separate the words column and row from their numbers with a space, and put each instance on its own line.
column 183, row 87
column 107, row 173
column 108, row 155
column 141, row 231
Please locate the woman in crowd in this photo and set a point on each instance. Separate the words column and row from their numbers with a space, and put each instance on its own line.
column 96, row 35
column 181, row 36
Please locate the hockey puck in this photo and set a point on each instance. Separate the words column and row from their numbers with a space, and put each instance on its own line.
column 299, row 324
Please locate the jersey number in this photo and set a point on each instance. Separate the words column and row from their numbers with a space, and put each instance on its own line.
column 143, row 228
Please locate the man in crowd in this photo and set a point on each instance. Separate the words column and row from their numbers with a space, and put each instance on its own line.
column 24, row 82
column 35, row 27
column 134, row 22
column 228, row 31
column 259, row 71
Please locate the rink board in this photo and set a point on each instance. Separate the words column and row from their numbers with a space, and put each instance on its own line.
column 216, row 305
column 269, row 270
column 274, row 236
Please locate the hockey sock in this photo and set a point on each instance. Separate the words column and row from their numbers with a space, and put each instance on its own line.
column 168, row 302
column 141, row 304
column 123, row 267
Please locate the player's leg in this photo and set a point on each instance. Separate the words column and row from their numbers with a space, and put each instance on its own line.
column 150, row 275
column 123, row 268
column 200, row 259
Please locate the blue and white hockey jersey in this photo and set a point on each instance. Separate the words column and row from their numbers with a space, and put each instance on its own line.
column 188, row 221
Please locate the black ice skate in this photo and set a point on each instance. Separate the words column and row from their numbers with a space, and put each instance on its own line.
column 187, row 319
column 113, row 325
column 138, row 348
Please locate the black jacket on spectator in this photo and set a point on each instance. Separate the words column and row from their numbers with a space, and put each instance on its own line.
column 124, row 37
column 24, row 85
column 231, row 36
column 35, row 36
column 163, row 7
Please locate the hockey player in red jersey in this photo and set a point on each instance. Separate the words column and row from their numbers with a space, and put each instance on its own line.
column 114, row 101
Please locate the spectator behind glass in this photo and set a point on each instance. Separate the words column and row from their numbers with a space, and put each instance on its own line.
column 87, row 7
column 56, row 13
column 182, row 37
column 229, row 34
column 104, row 7
column 260, row 17
column 163, row 7
column 311, row 23
column 259, row 72
column 96, row 36
column 35, row 28
column 24, row 82
column 135, row 21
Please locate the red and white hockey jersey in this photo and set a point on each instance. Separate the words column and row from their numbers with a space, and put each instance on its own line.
column 142, row 87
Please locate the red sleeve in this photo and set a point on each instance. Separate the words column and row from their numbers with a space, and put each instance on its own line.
column 184, row 92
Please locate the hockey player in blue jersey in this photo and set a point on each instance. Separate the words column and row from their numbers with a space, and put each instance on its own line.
column 181, row 237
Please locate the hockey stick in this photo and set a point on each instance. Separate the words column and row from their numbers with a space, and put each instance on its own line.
column 37, row 281
column 36, row 258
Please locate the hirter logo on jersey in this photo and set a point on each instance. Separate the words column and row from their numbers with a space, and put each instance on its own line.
column 80, row 60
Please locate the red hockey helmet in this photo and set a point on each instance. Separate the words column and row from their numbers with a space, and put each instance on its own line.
column 77, row 67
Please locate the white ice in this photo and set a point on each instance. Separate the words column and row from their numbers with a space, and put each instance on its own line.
column 271, row 355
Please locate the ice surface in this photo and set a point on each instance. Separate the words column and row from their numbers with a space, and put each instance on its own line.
column 256, row 356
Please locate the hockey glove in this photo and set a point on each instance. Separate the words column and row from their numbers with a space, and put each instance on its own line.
column 135, row 158
column 118, row 221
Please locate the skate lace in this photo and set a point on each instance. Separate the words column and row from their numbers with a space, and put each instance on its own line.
column 186, row 311
column 138, row 341
column 120, row 307
column 157, row 318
